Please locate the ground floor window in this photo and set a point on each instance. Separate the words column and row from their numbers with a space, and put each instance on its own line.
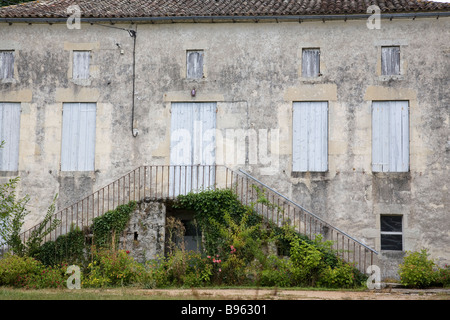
column 391, row 227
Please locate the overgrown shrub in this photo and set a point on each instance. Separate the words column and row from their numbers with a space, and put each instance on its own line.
column 111, row 268
column 68, row 248
column 417, row 270
column 27, row 272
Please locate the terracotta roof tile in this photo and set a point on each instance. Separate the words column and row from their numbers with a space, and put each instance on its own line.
column 213, row 8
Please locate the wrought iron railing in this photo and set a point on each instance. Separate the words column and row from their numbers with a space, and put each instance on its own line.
column 159, row 182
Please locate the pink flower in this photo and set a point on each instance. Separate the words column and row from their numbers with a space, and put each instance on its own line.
column 220, row 270
column 209, row 257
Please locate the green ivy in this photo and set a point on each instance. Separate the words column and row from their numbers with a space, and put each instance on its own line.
column 107, row 228
column 68, row 248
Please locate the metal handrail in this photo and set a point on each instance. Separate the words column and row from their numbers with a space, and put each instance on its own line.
column 309, row 212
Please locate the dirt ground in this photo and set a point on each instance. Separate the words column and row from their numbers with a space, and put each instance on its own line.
column 273, row 294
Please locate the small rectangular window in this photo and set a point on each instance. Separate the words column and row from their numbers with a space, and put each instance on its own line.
column 6, row 64
column 310, row 136
column 78, row 137
column 81, row 61
column 310, row 63
column 391, row 229
column 194, row 60
column 390, row 60
column 390, row 136
column 9, row 134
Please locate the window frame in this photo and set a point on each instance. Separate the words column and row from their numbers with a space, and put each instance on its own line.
column 301, row 135
column 307, row 71
column 191, row 74
column 3, row 70
column 67, row 139
column 386, row 65
column 383, row 125
column 395, row 233
column 14, row 146
column 86, row 74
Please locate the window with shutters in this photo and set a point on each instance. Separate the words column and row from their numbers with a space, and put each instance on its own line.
column 390, row 136
column 81, row 62
column 78, row 137
column 310, row 136
column 194, row 64
column 6, row 64
column 391, row 232
column 9, row 134
column 390, row 60
column 310, row 63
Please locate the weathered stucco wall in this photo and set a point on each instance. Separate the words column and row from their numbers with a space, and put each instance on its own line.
column 253, row 72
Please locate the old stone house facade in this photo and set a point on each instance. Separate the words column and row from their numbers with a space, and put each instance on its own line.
column 347, row 118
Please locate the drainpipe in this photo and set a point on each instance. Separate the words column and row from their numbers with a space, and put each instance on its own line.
column 133, row 34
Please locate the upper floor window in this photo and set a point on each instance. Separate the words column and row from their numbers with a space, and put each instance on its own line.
column 6, row 64
column 78, row 137
column 9, row 135
column 390, row 136
column 81, row 62
column 310, row 63
column 310, row 136
column 194, row 64
column 390, row 60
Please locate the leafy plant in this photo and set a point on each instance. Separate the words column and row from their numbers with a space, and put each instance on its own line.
column 110, row 268
column 417, row 270
column 108, row 227
column 12, row 214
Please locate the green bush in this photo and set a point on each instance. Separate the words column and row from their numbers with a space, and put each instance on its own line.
column 67, row 248
column 443, row 276
column 417, row 271
column 342, row 275
column 27, row 272
column 278, row 272
column 111, row 268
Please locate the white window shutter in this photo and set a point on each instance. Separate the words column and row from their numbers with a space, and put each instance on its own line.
column 390, row 136
column 6, row 64
column 194, row 60
column 81, row 62
column 78, row 137
column 310, row 136
column 10, row 134
column 390, row 60
column 310, row 63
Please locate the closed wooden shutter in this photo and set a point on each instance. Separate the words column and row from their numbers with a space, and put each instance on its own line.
column 390, row 136
column 310, row 63
column 6, row 64
column 194, row 66
column 81, row 61
column 10, row 132
column 192, row 143
column 310, row 136
column 78, row 137
column 390, row 60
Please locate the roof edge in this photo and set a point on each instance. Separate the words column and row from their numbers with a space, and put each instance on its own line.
column 181, row 19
